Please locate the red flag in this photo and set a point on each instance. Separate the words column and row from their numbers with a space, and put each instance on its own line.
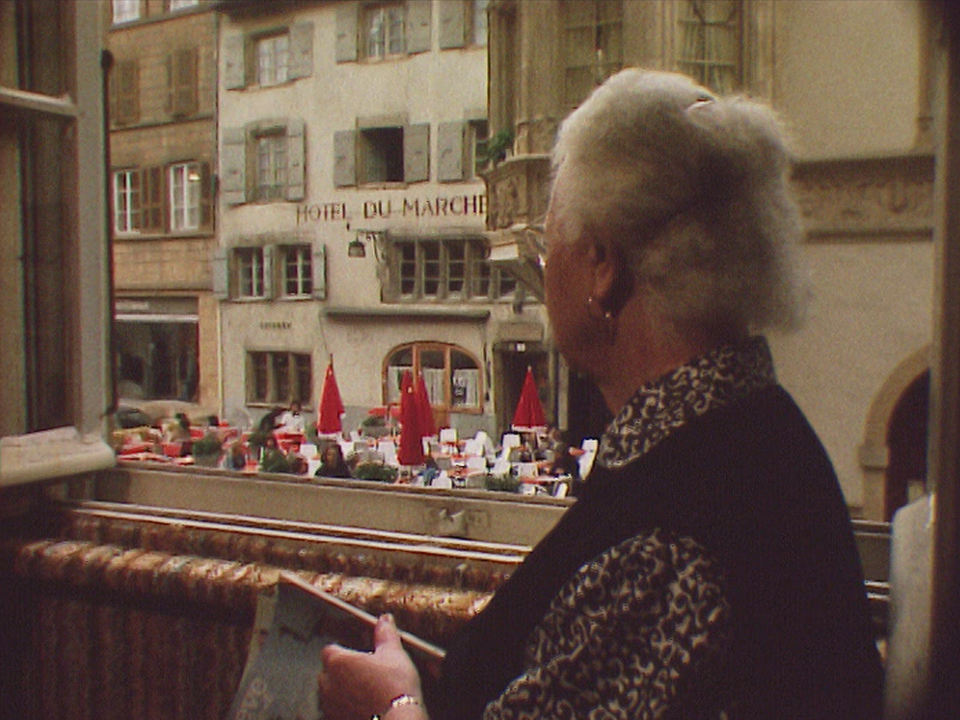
column 331, row 406
column 410, row 451
column 529, row 413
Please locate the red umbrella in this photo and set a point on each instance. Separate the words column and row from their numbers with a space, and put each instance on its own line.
column 410, row 451
column 331, row 406
column 427, row 426
column 529, row 413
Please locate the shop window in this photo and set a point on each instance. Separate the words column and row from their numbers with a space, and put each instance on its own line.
column 182, row 95
column 451, row 374
column 709, row 41
column 126, row 201
column 593, row 45
column 279, row 378
column 125, row 11
column 445, row 269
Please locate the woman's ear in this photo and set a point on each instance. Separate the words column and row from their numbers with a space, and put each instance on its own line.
column 612, row 279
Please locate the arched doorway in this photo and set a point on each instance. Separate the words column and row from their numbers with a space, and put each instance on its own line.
column 906, row 473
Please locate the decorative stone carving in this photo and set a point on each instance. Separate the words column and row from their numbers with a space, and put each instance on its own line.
column 867, row 199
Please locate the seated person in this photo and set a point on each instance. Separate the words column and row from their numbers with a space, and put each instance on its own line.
column 332, row 464
column 291, row 421
column 236, row 457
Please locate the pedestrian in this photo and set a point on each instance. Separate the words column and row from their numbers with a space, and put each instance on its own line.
column 708, row 568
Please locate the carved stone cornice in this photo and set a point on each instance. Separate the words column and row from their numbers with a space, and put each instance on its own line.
column 868, row 199
column 517, row 191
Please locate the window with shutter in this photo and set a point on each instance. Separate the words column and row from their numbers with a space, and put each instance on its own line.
column 384, row 30
column 185, row 191
column 272, row 59
column 152, row 200
column 125, row 92
column 126, row 201
column 297, row 271
column 182, row 82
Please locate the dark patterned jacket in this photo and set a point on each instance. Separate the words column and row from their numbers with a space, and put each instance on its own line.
column 708, row 570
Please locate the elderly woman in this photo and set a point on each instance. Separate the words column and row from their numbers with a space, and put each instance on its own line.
column 708, row 568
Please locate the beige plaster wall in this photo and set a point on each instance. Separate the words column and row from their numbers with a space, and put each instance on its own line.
column 871, row 309
column 850, row 75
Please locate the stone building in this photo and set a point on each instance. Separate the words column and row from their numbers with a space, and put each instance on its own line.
column 162, row 112
column 854, row 82
column 352, row 212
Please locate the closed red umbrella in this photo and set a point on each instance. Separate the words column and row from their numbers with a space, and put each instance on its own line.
column 427, row 426
column 410, row 451
column 331, row 406
column 529, row 413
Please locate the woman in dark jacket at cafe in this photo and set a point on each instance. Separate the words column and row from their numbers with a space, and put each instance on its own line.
column 708, row 568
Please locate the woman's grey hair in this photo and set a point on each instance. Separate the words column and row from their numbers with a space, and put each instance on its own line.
column 693, row 189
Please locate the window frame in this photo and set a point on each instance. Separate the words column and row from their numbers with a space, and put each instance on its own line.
column 385, row 145
column 720, row 74
column 56, row 124
column 124, row 11
column 299, row 258
column 185, row 196
column 264, row 387
column 599, row 25
column 416, row 267
column 130, row 208
column 385, row 49
column 265, row 48
column 178, row 5
column 390, row 389
column 250, row 272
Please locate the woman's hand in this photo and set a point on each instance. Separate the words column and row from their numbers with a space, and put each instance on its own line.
column 356, row 685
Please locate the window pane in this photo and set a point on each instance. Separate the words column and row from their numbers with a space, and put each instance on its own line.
column 250, row 272
column 125, row 10
column 298, row 271
column 271, row 166
column 281, row 377
column 273, row 59
column 709, row 42
column 408, row 267
column 456, row 266
column 259, row 386
column 303, row 375
column 430, row 252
